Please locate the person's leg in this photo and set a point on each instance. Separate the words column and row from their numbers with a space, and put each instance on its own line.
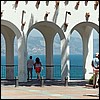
column 36, row 72
column 39, row 72
column 39, row 75
column 31, row 73
column 28, row 73
column 94, row 80
column 97, row 78
column 98, row 82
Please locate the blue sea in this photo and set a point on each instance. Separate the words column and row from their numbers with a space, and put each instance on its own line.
column 76, row 65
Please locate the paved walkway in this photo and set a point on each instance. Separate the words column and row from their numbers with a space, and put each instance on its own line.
column 74, row 90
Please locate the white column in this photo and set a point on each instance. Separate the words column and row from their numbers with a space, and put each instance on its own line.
column 64, row 60
column 25, row 61
column 87, row 52
column 22, row 73
column 9, row 58
column 88, row 67
column 49, row 58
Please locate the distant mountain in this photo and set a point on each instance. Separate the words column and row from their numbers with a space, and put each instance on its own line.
column 36, row 45
column 76, row 46
column 96, row 45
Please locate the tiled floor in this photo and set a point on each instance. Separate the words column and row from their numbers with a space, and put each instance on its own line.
column 72, row 91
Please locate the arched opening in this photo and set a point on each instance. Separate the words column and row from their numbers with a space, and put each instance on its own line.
column 85, row 30
column 48, row 30
column 95, row 41
column 9, row 31
column 3, row 57
column 76, row 56
column 57, row 57
column 36, row 48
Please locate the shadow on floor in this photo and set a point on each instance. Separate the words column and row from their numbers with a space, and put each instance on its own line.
column 35, row 82
column 93, row 95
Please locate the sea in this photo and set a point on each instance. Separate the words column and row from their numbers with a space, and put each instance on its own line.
column 76, row 66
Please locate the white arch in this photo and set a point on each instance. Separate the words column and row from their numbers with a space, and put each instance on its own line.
column 9, row 31
column 11, row 26
column 48, row 24
column 84, row 24
column 49, row 30
column 85, row 29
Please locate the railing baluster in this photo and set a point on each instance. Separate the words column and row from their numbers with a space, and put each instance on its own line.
column 16, row 81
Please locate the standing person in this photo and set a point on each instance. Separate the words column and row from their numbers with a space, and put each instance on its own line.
column 95, row 66
column 37, row 67
column 30, row 64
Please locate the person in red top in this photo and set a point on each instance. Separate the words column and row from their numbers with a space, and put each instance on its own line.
column 37, row 67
